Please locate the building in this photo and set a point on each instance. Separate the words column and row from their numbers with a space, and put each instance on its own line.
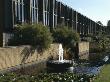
column 48, row 12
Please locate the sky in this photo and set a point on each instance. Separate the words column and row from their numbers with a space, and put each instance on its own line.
column 97, row 10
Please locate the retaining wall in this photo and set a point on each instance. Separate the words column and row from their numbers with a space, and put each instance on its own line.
column 83, row 50
column 12, row 58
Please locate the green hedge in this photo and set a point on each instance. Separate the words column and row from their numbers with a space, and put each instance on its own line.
column 66, row 36
column 35, row 35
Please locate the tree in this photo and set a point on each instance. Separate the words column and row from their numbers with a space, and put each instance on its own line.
column 108, row 27
column 108, row 24
column 100, row 23
column 100, row 45
column 101, row 26
column 102, row 41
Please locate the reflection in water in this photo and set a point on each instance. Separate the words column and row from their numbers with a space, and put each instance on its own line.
column 89, row 69
column 77, row 69
column 85, row 70
column 81, row 69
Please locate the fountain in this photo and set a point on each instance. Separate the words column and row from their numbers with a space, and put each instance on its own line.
column 61, row 63
column 60, row 53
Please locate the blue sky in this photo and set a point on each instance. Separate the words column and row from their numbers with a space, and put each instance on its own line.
column 97, row 10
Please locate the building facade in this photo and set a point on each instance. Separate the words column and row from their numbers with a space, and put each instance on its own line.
column 48, row 12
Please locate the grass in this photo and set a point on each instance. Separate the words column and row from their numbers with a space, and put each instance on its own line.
column 104, row 75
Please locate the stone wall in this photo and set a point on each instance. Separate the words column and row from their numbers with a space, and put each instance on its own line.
column 24, row 56
column 83, row 50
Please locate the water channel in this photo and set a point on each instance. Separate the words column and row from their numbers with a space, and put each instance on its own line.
column 82, row 68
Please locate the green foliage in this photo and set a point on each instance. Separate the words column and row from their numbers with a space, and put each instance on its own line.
column 100, row 23
column 65, row 36
column 35, row 35
column 46, row 77
column 102, row 42
column 96, row 57
column 108, row 23
column 100, row 46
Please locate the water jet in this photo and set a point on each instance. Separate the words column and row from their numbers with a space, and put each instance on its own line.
column 61, row 63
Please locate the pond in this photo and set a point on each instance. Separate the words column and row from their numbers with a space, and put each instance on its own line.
column 83, row 68
column 78, row 70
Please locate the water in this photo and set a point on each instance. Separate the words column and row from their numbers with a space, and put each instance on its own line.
column 60, row 64
column 61, row 60
column 60, row 53
column 77, row 70
column 81, row 69
column 85, row 70
column 93, row 70
column 106, row 58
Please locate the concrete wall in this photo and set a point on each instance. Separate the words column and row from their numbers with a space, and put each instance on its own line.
column 1, row 21
column 83, row 50
column 24, row 56
column 6, row 38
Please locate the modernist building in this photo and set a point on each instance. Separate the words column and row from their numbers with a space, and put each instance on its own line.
column 48, row 12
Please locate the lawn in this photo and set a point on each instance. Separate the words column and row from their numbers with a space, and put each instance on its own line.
column 104, row 75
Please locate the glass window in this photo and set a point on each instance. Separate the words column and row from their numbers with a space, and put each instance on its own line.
column 34, row 11
column 45, row 12
column 18, row 11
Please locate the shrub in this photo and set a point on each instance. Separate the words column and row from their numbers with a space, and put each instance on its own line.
column 100, row 43
column 67, row 37
column 35, row 35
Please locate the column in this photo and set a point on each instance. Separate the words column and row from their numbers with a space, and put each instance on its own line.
column 76, row 21
column 1, row 21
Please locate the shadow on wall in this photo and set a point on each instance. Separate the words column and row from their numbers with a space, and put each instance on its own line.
column 29, row 51
column 26, row 52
